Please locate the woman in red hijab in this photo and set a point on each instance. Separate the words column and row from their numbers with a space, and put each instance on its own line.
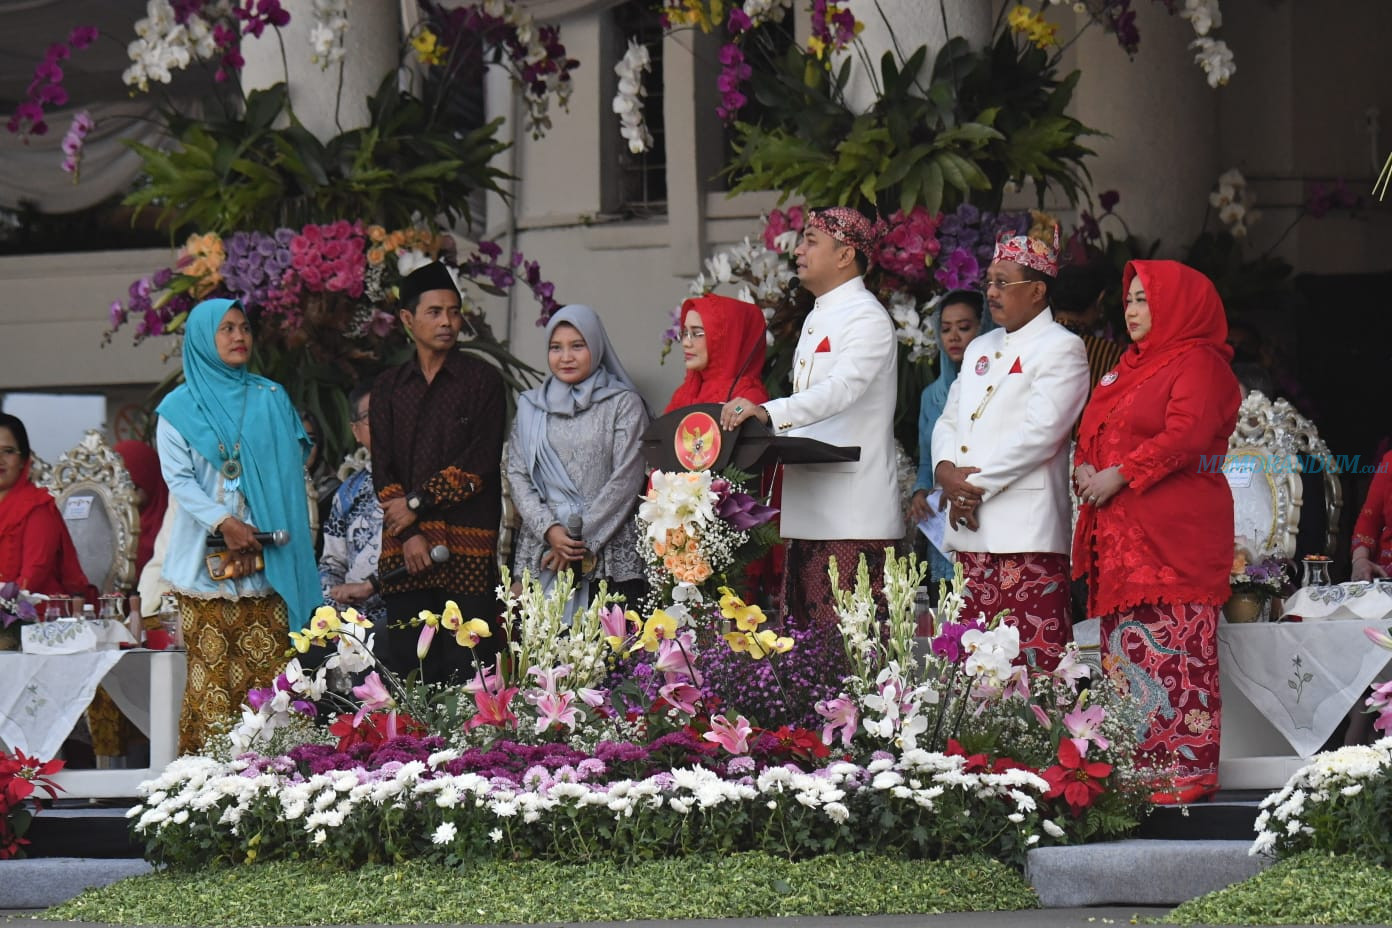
column 153, row 495
column 36, row 550
column 1154, row 538
column 723, row 342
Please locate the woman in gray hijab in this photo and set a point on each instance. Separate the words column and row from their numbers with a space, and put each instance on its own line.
column 574, row 463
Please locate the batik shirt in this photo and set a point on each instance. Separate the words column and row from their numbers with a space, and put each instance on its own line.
column 353, row 542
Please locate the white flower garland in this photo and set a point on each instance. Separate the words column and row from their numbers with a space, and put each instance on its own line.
column 628, row 102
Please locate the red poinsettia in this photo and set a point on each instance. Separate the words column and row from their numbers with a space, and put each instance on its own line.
column 19, row 776
column 374, row 728
column 981, row 762
column 1077, row 780
column 797, row 743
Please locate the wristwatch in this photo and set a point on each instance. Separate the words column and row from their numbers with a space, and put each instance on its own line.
column 413, row 502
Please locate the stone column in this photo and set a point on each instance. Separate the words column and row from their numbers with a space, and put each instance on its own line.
column 901, row 26
column 370, row 52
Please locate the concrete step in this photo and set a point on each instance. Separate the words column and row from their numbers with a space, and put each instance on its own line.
column 1138, row 871
column 40, row 882
column 77, row 828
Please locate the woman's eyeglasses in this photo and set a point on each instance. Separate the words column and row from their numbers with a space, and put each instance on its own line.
column 692, row 334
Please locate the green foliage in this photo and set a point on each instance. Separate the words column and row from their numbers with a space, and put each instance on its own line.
column 530, row 892
column 1313, row 888
column 264, row 169
column 984, row 118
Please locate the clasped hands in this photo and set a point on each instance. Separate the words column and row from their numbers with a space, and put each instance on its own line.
column 960, row 497
column 564, row 550
column 242, row 546
column 1097, row 486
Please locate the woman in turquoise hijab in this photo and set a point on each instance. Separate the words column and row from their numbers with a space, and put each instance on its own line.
column 961, row 317
column 232, row 451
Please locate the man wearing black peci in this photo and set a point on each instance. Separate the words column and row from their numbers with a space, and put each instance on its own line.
column 437, row 436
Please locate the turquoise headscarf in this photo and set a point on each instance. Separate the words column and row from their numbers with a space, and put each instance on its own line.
column 220, row 405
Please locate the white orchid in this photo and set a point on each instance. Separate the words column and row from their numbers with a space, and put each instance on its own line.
column 1203, row 15
column 628, row 101
column 1215, row 58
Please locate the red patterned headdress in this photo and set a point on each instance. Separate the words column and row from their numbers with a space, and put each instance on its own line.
column 1029, row 252
column 846, row 225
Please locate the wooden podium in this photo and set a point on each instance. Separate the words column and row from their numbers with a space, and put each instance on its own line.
column 690, row 438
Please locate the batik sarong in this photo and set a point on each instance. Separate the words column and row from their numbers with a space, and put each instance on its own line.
column 1034, row 587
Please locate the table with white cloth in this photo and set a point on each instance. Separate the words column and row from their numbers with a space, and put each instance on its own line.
column 1287, row 685
column 43, row 695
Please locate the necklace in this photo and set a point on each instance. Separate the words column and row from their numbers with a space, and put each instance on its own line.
column 232, row 464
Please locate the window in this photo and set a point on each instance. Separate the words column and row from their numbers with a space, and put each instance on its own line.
column 640, row 181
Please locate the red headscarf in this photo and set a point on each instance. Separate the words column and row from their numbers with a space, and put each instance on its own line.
column 1186, row 314
column 23, row 502
column 735, row 341
column 144, row 467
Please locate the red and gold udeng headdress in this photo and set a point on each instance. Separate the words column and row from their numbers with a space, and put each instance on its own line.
column 1029, row 252
column 847, row 225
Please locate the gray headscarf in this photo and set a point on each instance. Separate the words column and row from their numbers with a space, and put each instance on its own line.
column 553, row 397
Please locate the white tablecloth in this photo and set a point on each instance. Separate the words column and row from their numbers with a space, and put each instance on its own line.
column 1366, row 600
column 1304, row 677
column 42, row 696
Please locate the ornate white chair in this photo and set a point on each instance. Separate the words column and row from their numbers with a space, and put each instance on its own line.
column 97, row 498
column 1269, row 449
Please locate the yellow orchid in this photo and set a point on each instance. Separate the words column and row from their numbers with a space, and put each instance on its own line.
column 747, row 618
column 469, row 633
column 658, row 627
column 325, row 623
column 302, row 641
column 428, row 47
column 353, row 617
column 758, row 645
column 451, row 618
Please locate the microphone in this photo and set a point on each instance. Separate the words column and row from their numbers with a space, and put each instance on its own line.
column 278, row 538
column 573, row 525
column 439, row 554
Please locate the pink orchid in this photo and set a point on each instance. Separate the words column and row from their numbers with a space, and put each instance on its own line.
column 494, row 709
column 732, row 736
column 548, row 677
column 553, row 709
column 841, row 715
column 682, row 696
column 1085, row 725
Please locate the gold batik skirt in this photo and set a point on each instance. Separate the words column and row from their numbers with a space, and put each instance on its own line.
column 233, row 646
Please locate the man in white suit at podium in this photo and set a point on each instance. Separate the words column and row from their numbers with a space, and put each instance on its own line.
column 845, row 376
column 1000, row 450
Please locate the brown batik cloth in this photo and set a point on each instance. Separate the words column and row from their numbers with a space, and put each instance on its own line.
column 807, row 599
column 111, row 731
column 233, row 646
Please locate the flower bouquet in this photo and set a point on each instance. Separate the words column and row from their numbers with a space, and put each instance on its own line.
column 16, row 606
column 1254, row 585
column 698, row 531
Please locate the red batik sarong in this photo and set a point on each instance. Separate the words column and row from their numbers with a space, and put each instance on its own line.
column 1034, row 587
column 1166, row 657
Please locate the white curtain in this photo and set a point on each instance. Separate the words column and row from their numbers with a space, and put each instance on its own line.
column 31, row 171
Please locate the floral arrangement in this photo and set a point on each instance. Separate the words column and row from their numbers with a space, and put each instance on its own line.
column 1266, row 578
column 545, row 756
column 20, row 776
column 18, row 605
column 698, row 531
column 628, row 102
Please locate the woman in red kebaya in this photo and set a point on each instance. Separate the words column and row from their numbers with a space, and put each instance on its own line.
column 1154, row 536
column 722, row 342
column 1372, row 533
column 36, row 550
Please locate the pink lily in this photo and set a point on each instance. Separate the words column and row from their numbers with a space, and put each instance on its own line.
column 682, row 696
column 374, row 695
column 592, row 698
column 842, row 716
column 485, row 679
column 1379, row 637
column 1085, row 725
column 548, row 677
column 494, row 709
column 674, row 658
column 553, row 709
column 1070, row 668
column 1042, row 716
column 427, row 635
column 614, row 622
column 1017, row 684
column 732, row 736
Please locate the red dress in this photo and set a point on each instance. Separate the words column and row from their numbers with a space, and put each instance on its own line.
column 1373, row 530
column 36, row 550
column 1157, row 555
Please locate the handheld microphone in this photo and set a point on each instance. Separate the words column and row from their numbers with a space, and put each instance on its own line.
column 278, row 538
column 439, row 554
column 573, row 526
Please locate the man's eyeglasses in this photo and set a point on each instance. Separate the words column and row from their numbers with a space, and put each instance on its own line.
column 692, row 334
column 1002, row 284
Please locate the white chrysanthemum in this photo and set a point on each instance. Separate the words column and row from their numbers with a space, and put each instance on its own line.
column 444, row 834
